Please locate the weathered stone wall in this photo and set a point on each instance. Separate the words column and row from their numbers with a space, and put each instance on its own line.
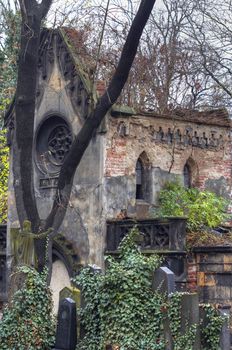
column 165, row 145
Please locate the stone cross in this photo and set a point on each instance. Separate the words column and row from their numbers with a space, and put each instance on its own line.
column 66, row 333
column 163, row 281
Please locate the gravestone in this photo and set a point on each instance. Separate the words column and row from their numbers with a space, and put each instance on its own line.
column 163, row 281
column 225, row 332
column 66, row 333
column 190, row 315
column 74, row 294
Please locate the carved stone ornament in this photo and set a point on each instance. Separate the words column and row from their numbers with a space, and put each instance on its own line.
column 46, row 58
column 189, row 138
column 59, row 142
column 75, row 88
column 53, row 142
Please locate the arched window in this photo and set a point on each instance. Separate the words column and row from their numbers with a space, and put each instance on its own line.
column 187, row 176
column 190, row 173
column 139, row 180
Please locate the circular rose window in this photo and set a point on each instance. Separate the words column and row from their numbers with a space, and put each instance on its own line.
column 53, row 142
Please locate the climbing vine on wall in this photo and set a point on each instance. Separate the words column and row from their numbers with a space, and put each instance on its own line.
column 27, row 322
column 4, row 172
column 181, row 340
column 211, row 332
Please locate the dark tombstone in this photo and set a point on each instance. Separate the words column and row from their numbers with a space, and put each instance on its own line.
column 66, row 333
column 164, row 281
column 225, row 332
column 190, row 316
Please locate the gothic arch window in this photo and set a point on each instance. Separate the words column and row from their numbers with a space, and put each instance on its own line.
column 190, row 173
column 187, row 176
column 139, row 180
column 142, row 177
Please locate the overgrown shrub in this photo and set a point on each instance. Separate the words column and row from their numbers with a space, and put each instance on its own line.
column 202, row 208
column 27, row 323
column 120, row 307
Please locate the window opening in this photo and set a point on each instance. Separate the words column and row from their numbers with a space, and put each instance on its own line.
column 187, row 176
column 139, row 180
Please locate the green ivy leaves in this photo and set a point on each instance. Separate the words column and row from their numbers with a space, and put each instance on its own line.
column 211, row 333
column 120, row 307
column 28, row 322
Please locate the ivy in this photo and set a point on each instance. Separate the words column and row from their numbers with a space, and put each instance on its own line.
column 120, row 306
column 27, row 322
column 211, row 333
column 180, row 340
column 4, row 172
column 121, row 309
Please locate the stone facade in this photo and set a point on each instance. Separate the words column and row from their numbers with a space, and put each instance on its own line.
column 127, row 162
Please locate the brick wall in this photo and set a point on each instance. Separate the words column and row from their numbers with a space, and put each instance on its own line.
column 191, row 278
column 169, row 145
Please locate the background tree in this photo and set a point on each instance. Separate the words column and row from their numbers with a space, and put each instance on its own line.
column 4, row 172
column 209, row 34
column 9, row 46
column 167, row 72
column 9, row 35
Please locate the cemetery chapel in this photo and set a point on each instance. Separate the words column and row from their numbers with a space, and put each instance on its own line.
column 129, row 159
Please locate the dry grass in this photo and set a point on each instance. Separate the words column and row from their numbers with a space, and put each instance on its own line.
column 207, row 239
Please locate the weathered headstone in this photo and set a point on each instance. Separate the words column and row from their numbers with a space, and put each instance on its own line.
column 225, row 332
column 163, row 281
column 190, row 316
column 74, row 294
column 66, row 333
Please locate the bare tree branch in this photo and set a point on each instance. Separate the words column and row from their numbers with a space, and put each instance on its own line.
column 44, row 7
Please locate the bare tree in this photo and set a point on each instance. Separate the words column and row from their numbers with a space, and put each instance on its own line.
column 33, row 13
column 210, row 32
column 166, row 73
